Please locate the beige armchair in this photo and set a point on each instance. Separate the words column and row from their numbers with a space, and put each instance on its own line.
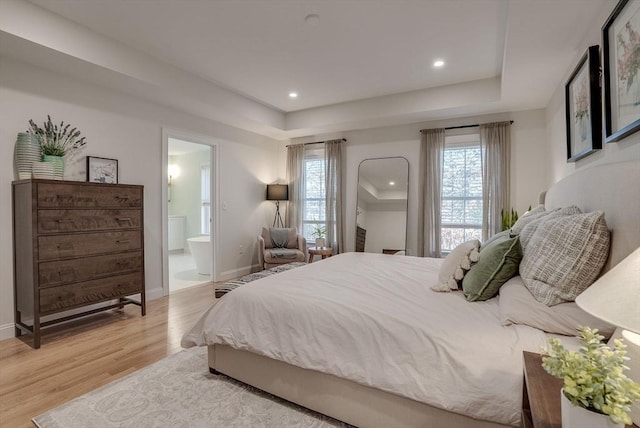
column 277, row 246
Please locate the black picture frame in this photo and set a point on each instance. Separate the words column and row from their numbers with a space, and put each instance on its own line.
column 102, row 170
column 583, row 107
column 621, row 79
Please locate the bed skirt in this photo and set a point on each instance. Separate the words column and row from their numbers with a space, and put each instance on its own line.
column 342, row 399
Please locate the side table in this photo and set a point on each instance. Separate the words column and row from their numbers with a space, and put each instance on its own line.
column 319, row 251
column 541, row 395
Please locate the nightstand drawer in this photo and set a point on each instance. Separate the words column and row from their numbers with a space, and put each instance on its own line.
column 54, row 299
column 87, row 244
column 56, row 221
column 89, row 268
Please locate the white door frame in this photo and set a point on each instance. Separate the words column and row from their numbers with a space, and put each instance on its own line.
column 215, row 205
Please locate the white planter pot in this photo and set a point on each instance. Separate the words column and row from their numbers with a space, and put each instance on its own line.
column 319, row 242
column 579, row 417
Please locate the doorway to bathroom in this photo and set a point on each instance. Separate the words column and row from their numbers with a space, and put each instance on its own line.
column 189, row 247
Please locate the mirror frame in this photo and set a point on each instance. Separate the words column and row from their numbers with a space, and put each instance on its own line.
column 406, row 210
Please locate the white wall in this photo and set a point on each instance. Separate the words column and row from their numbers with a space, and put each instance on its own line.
column 556, row 125
column 129, row 129
column 529, row 161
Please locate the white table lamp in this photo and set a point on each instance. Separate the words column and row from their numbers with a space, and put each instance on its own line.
column 615, row 298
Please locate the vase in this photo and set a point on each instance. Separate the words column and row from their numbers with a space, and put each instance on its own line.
column 579, row 417
column 58, row 166
column 43, row 170
column 27, row 151
column 319, row 242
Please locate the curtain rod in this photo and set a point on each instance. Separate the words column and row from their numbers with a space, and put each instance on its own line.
column 463, row 126
column 316, row 142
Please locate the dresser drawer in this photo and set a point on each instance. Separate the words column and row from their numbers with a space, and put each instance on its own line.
column 53, row 195
column 54, row 221
column 64, row 271
column 88, row 244
column 54, row 299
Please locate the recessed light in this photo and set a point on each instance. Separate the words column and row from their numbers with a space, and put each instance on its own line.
column 293, row 95
column 312, row 19
column 438, row 63
column 392, row 183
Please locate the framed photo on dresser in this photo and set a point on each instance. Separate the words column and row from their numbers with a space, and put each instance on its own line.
column 102, row 170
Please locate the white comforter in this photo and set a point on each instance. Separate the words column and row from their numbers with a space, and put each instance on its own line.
column 372, row 318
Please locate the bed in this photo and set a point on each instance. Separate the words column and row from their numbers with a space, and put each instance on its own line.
column 407, row 356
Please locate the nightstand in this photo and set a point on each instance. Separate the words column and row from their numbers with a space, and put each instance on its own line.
column 541, row 395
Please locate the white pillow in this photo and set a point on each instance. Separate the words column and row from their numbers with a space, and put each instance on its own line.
column 518, row 306
column 456, row 264
column 564, row 256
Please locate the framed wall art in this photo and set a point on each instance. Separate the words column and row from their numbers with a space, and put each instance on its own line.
column 582, row 106
column 102, row 170
column 621, row 67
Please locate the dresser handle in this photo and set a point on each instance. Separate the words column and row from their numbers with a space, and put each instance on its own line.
column 122, row 197
column 119, row 219
column 123, row 241
column 64, row 220
column 65, row 246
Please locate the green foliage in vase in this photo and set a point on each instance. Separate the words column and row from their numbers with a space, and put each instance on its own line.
column 594, row 375
column 56, row 140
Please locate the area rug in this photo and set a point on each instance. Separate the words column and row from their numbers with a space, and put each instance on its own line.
column 179, row 392
column 223, row 289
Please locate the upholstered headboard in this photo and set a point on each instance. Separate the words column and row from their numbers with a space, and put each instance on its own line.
column 613, row 188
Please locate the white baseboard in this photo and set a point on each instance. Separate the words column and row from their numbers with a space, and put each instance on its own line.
column 7, row 331
column 154, row 293
column 234, row 273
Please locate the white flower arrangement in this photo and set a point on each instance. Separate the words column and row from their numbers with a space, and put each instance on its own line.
column 594, row 376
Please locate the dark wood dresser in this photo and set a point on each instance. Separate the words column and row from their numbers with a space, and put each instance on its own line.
column 361, row 236
column 75, row 244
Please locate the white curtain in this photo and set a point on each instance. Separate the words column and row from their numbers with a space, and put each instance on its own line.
column 295, row 179
column 334, row 194
column 430, row 191
column 495, row 140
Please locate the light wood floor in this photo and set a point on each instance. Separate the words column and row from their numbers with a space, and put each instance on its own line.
column 85, row 354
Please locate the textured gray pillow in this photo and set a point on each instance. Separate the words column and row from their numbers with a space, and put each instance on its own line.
column 528, row 217
column 530, row 228
column 564, row 256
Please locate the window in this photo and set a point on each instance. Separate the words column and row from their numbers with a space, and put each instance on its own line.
column 205, row 199
column 313, row 211
column 461, row 205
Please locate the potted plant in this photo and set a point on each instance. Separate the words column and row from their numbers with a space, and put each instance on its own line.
column 56, row 141
column 319, row 231
column 594, row 381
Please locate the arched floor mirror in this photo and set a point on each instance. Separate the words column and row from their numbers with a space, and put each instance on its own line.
column 381, row 213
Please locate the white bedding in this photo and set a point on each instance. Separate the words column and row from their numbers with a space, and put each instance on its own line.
column 372, row 318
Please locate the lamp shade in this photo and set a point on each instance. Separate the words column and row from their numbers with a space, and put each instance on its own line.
column 615, row 296
column 277, row 192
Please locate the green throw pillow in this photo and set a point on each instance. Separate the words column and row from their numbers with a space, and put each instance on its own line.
column 497, row 236
column 498, row 262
